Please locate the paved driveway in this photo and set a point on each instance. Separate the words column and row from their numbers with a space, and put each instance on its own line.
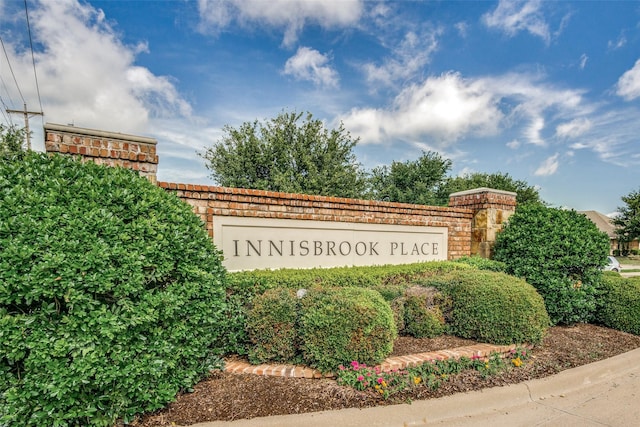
column 630, row 267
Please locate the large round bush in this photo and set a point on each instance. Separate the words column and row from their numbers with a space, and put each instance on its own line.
column 111, row 294
column 340, row 325
column 560, row 252
column 493, row 307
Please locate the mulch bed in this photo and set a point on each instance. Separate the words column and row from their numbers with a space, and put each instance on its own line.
column 225, row 396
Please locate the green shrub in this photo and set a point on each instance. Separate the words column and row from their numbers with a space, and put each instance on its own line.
column 111, row 294
column 398, row 309
column 422, row 320
column 483, row 263
column 493, row 307
column 340, row 325
column 619, row 303
column 272, row 327
column 560, row 252
column 389, row 280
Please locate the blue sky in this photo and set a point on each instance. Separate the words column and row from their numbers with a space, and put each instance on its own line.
column 546, row 91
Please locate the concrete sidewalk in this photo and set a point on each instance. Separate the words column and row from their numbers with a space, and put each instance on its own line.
column 602, row 393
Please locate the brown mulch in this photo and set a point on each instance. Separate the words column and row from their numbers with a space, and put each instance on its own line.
column 228, row 397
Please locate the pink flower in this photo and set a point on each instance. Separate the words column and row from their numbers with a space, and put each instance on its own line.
column 360, row 378
column 342, row 368
column 355, row 365
column 380, row 380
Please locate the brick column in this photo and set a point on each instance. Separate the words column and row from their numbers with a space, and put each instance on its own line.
column 108, row 148
column 491, row 208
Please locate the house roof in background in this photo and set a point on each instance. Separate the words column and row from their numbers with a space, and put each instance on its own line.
column 601, row 221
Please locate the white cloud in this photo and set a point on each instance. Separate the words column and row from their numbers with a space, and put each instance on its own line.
column 615, row 45
column 574, row 128
column 462, row 28
column 447, row 108
column 512, row 17
column 613, row 136
column 443, row 108
column 533, row 131
column 290, row 15
column 309, row 64
column 410, row 56
column 628, row 85
column 583, row 61
column 515, row 144
column 87, row 76
column 548, row 167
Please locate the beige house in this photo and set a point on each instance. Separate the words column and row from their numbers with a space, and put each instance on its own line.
column 604, row 224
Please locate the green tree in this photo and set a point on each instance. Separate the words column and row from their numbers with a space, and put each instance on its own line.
column 560, row 252
column 11, row 138
column 289, row 153
column 499, row 181
column 628, row 220
column 413, row 181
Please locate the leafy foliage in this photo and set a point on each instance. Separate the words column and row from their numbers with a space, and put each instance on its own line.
column 422, row 320
column 492, row 307
column 111, row 294
column 483, row 263
column 272, row 327
column 525, row 193
column 619, row 303
column 339, row 325
column 628, row 220
column 11, row 139
column 560, row 252
column 413, row 181
column 287, row 154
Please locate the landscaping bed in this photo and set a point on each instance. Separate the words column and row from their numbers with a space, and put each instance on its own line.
column 228, row 397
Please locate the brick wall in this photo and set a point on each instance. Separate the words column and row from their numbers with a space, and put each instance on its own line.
column 108, row 148
column 210, row 201
column 472, row 220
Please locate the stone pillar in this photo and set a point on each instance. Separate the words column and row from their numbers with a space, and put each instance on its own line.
column 108, row 148
column 491, row 208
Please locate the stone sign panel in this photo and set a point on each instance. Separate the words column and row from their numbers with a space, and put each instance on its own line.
column 261, row 243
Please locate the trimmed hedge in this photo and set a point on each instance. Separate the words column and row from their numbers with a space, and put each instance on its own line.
column 111, row 294
column 619, row 303
column 389, row 280
column 492, row 307
column 272, row 327
column 421, row 319
column 340, row 325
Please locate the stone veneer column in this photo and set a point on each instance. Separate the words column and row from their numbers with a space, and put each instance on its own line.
column 108, row 148
column 491, row 208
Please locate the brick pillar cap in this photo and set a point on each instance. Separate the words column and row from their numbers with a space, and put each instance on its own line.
column 99, row 133
column 483, row 190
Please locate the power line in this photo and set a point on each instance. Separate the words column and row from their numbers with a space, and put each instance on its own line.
column 33, row 59
column 11, row 69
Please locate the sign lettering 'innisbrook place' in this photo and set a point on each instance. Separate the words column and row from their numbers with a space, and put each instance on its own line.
column 258, row 243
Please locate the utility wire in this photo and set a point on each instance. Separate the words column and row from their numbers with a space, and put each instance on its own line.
column 33, row 59
column 11, row 69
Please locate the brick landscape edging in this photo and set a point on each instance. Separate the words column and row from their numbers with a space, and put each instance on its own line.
column 482, row 351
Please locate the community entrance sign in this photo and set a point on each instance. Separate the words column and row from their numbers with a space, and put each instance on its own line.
column 260, row 243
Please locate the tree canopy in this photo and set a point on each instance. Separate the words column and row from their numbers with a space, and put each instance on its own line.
column 292, row 152
column 296, row 153
column 11, row 139
column 499, row 181
column 628, row 219
column 413, row 181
